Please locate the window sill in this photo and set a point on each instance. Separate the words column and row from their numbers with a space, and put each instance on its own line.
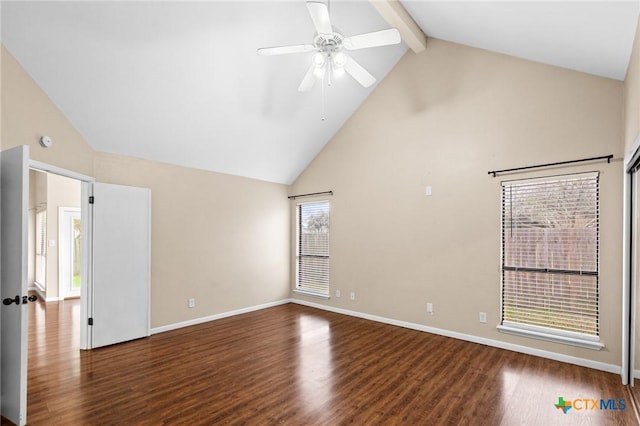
column 555, row 338
column 309, row 293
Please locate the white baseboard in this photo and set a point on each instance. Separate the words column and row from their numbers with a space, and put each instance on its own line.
column 178, row 325
column 41, row 295
column 636, row 374
column 471, row 338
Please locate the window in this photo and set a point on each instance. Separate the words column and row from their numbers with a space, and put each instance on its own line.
column 550, row 232
column 313, row 248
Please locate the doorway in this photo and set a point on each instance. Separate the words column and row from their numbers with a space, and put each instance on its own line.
column 72, row 190
column 54, row 256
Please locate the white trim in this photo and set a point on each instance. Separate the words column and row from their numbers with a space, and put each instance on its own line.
column 312, row 294
column 636, row 374
column 43, row 167
column 610, row 368
column 628, row 309
column 41, row 294
column 86, row 247
column 37, row 286
column 196, row 321
column 582, row 342
column 38, row 290
column 629, row 156
column 627, row 312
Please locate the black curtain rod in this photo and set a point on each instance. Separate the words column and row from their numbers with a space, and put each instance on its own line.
column 604, row 157
column 293, row 197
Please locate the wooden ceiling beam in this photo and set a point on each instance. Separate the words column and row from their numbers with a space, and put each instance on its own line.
column 397, row 16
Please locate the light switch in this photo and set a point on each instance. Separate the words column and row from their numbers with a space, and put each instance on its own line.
column 52, row 243
column 427, row 190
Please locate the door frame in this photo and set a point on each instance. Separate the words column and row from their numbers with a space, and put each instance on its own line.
column 86, row 190
column 629, row 269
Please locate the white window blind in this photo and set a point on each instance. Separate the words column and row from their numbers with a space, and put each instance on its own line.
column 550, row 237
column 313, row 248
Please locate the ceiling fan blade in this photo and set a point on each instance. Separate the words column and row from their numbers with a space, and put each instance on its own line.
column 283, row 50
column 308, row 81
column 375, row 39
column 361, row 75
column 320, row 17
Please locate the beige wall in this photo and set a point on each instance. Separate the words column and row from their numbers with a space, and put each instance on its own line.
column 221, row 239
column 632, row 95
column 444, row 118
column 28, row 114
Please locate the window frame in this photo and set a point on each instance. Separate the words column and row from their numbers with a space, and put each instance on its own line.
column 299, row 287
column 539, row 332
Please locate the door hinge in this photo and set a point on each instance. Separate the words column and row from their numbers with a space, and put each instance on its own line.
column 90, row 321
column 91, row 199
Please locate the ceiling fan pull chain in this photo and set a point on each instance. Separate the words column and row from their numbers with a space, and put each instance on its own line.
column 322, row 117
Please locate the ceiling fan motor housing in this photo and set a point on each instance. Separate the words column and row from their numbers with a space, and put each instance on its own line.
column 329, row 46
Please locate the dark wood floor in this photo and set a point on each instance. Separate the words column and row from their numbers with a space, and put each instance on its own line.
column 298, row 366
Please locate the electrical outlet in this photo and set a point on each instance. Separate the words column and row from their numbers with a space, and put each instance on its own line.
column 352, row 296
column 430, row 308
column 337, row 293
column 483, row 317
column 191, row 303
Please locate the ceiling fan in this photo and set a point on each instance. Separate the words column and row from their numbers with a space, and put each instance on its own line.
column 329, row 45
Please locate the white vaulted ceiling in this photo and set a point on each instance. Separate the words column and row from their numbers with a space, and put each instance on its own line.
column 595, row 37
column 180, row 82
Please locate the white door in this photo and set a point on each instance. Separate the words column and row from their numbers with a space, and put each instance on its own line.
column 14, row 180
column 121, row 264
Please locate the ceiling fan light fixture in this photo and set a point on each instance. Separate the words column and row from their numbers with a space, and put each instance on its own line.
column 319, row 72
column 339, row 60
column 338, row 72
column 319, row 59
